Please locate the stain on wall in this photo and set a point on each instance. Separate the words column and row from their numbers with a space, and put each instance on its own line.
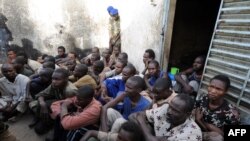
column 83, row 24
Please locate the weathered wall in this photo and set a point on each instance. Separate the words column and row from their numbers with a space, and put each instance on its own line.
column 46, row 24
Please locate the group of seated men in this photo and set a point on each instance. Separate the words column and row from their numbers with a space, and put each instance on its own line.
column 103, row 97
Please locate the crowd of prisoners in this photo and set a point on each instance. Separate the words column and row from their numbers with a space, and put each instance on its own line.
column 102, row 97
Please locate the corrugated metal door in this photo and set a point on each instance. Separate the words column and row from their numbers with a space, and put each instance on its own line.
column 229, row 52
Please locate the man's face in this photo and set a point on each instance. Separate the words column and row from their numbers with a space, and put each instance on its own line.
column 126, row 73
column 130, row 88
column 95, row 51
column 118, row 67
column 106, row 54
column 70, row 65
column 77, row 72
column 60, row 52
column 82, row 102
column 216, row 89
column 44, row 78
column 198, row 64
column 71, row 56
column 116, row 50
column 176, row 113
column 152, row 69
column 58, row 80
column 9, row 72
column 11, row 55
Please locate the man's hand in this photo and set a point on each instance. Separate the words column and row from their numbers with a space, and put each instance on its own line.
column 198, row 114
column 66, row 104
column 89, row 134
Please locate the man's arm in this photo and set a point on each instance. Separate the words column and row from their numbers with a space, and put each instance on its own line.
column 89, row 116
column 112, row 103
column 146, row 131
column 146, row 77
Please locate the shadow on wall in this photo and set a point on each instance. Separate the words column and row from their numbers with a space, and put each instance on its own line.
column 28, row 48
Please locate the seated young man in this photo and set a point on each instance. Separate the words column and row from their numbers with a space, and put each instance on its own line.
column 95, row 70
column 153, row 74
column 19, row 64
column 111, row 86
column 148, row 56
column 80, row 77
column 114, row 57
column 181, row 125
column 188, row 81
column 74, row 116
column 213, row 111
column 41, row 82
column 59, row 89
column 132, row 102
column 156, row 116
column 119, row 65
column 129, row 131
column 14, row 92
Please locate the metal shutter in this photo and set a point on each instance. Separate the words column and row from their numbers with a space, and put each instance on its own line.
column 229, row 52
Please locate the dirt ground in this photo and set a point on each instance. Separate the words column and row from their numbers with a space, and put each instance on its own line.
column 22, row 131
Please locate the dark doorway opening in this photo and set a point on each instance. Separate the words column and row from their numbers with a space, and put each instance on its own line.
column 193, row 29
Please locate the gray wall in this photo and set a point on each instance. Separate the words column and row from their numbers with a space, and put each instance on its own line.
column 84, row 24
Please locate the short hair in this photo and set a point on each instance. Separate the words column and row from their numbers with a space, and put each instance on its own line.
column 222, row 78
column 96, row 49
column 13, row 48
column 187, row 100
column 203, row 58
column 44, row 55
column 132, row 68
column 61, row 47
column 124, row 63
column 22, row 53
column 75, row 54
column 49, row 64
column 7, row 65
column 108, row 51
column 100, row 65
column 62, row 71
column 156, row 63
column 134, row 129
column 50, row 58
column 47, row 72
column 20, row 60
column 124, row 55
column 86, row 92
column 140, row 83
column 83, row 68
column 151, row 53
column 97, row 56
column 163, row 83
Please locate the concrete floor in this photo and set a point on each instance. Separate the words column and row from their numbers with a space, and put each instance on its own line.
column 22, row 131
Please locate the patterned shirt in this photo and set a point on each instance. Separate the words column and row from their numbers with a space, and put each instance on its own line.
column 158, row 117
column 188, row 131
column 226, row 114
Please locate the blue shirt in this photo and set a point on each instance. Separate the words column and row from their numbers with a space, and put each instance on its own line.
column 152, row 79
column 114, row 85
column 142, row 104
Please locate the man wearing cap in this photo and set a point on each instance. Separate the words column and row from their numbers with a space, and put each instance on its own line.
column 114, row 28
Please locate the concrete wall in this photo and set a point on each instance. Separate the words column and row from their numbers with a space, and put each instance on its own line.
column 46, row 24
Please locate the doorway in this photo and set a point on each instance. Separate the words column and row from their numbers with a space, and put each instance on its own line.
column 192, row 31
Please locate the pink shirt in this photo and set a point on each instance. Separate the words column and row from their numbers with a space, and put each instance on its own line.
column 83, row 117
